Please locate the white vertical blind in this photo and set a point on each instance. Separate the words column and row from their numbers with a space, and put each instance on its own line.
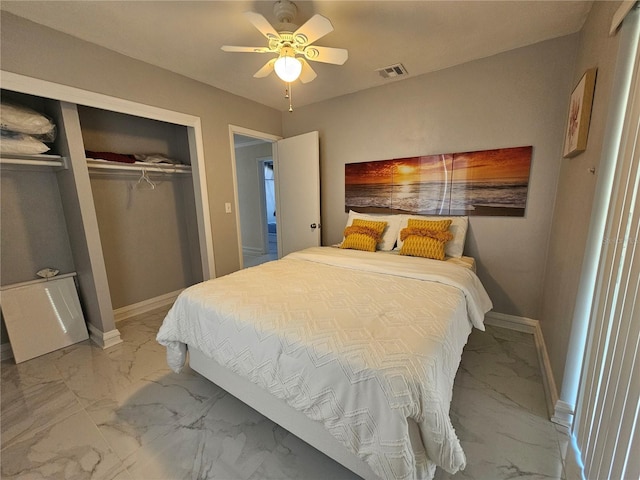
column 606, row 426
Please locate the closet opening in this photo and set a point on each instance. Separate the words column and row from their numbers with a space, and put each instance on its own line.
column 145, row 209
column 67, row 209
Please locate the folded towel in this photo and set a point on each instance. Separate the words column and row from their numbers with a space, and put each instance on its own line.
column 111, row 157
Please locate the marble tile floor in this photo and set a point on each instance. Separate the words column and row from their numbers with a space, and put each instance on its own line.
column 82, row 412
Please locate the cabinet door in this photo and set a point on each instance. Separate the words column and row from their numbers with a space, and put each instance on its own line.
column 298, row 193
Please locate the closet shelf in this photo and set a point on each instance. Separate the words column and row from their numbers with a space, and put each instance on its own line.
column 166, row 168
column 42, row 160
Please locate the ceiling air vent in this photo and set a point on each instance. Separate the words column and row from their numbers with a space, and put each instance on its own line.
column 392, row 71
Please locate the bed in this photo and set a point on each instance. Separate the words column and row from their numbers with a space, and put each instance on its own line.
column 353, row 351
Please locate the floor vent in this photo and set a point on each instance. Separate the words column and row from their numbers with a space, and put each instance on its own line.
column 392, row 71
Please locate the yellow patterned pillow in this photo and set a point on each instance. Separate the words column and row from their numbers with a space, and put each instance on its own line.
column 437, row 225
column 363, row 235
column 425, row 238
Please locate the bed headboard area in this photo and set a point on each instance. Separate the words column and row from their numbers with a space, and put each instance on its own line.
column 434, row 237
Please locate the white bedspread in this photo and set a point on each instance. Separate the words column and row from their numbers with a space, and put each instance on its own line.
column 358, row 341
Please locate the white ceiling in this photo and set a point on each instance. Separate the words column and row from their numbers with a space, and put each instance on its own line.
column 185, row 36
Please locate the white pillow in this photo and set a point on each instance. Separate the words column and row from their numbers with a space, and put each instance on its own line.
column 458, row 229
column 391, row 231
column 20, row 144
column 17, row 118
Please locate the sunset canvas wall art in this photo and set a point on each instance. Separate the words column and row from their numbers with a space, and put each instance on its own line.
column 487, row 182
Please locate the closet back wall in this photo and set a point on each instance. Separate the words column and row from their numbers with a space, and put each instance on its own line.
column 149, row 236
column 105, row 131
column 33, row 234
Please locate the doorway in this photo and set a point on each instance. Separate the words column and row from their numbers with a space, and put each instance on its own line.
column 268, row 180
column 256, row 198
column 296, row 177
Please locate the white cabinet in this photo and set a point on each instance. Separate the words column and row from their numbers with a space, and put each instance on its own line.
column 43, row 316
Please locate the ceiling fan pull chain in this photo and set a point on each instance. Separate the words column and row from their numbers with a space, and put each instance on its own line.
column 290, row 99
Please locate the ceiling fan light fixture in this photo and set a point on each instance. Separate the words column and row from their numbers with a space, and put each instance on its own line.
column 292, row 45
column 287, row 66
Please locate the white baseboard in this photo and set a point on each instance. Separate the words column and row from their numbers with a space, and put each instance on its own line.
column 5, row 351
column 253, row 251
column 512, row 322
column 104, row 339
column 528, row 325
column 123, row 313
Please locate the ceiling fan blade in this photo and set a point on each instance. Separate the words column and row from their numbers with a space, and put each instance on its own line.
column 266, row 69
column 337, row 56
column 307, row 74
column 262, row 24
column 315, row 28
column 232, row 48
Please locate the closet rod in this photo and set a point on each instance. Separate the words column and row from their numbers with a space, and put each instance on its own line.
column 139, row 167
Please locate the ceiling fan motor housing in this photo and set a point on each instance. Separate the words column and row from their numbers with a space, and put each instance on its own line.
column 297, row 43
column 285, row 11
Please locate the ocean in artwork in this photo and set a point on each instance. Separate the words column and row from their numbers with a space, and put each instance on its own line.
column 489, row 182
column 439, row 198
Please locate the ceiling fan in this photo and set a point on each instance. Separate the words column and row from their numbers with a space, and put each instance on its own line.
column 292, row 44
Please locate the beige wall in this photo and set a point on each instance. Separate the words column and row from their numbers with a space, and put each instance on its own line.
column 36, row 51
column 511, row 99
column 575, row 191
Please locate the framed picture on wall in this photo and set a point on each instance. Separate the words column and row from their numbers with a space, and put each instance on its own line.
column 481, row 183
column 577, row 132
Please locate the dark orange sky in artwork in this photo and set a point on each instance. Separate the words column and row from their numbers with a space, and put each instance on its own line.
column 368, row 172
column 401, row 170
column 507, row 164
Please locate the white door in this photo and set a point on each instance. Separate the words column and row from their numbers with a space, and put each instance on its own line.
column 298, row 193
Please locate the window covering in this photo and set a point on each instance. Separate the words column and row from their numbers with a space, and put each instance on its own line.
column 608, row 407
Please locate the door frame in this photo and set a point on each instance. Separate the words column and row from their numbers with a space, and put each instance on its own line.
column 247, row 132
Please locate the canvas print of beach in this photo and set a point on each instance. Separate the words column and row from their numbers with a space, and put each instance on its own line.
column 488, row 182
